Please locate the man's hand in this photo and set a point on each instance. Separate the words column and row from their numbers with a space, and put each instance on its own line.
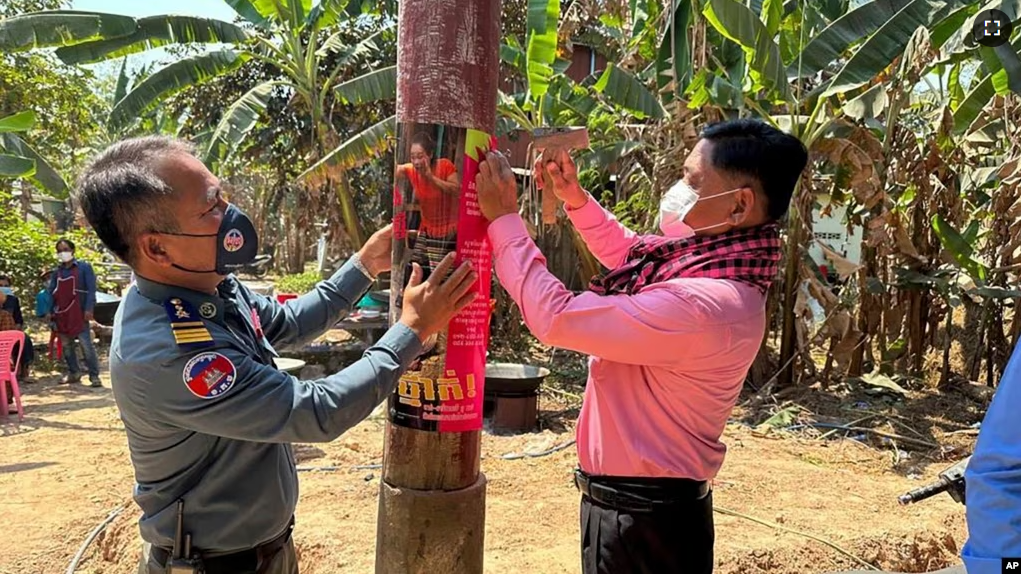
column 497, row 187
column 564, row 174
column 88, row 316
column 376, row 254
column 430, row 305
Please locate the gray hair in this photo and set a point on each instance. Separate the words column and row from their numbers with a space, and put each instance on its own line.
column 123, row 196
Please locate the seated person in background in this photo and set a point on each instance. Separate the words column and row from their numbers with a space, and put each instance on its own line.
column 10, row 303
column 993, row 480
column 672, row 330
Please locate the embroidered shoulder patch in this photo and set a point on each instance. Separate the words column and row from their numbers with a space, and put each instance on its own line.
column 190, row 332
column 209, row 375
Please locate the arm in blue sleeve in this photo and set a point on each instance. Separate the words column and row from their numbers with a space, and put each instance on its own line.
column 993, row 480
column 89, row 285
column 266, row 405
column 301, row 320
column 53, row 281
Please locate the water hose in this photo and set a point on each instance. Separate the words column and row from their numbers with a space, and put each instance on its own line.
column 92, row 536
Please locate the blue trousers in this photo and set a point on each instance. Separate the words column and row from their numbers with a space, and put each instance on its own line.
column 71, row 354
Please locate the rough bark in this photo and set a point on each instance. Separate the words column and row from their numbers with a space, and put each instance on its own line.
column 432, row 493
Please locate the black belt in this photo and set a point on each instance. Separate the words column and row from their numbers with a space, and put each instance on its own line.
column 242, row 560
column 640, row 494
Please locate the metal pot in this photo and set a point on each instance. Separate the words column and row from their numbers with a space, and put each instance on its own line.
column 106, row 308
column 512, row 379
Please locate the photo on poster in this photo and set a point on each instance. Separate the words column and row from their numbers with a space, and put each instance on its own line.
column 436, row 212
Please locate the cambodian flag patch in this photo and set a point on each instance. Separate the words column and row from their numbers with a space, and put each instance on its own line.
column 209, row 375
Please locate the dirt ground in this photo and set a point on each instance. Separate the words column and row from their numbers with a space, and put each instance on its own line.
column 66, row 467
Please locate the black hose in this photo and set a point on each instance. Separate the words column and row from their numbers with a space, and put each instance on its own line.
column 92, row 536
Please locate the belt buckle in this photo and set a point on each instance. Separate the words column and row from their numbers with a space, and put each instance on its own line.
column 581, row 482
column 625, row 500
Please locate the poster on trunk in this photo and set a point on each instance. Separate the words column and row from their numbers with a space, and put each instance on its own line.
column 436, row 212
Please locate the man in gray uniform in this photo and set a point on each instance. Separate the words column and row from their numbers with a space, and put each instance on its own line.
column 208, row 417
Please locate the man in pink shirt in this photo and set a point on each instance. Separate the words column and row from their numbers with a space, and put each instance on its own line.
column 672, row 329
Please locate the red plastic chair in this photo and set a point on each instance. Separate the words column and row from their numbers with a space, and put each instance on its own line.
column 8, row 372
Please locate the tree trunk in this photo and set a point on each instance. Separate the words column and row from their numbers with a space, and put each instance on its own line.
column 352, row 223
column 788, row 334
column 432, row 495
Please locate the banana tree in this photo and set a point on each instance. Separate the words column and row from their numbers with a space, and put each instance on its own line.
column 283, row 34
column 804, row 70
column 549, row 98
column 19, row 161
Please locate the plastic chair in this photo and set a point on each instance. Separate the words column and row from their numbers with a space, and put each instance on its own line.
column 9, row 372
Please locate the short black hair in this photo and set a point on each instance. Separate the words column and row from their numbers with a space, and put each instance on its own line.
column 756, row 149
column 123, row 196
column 5, row 279
column 65, row 241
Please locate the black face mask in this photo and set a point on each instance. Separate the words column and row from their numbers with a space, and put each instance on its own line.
column 237, row 242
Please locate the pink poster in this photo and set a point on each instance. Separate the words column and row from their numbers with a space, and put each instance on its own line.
column 436, row 211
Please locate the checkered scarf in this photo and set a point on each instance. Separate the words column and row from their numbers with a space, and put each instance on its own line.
column 748, row 255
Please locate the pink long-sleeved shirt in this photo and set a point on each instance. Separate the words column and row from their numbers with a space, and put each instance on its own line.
column 666, row 364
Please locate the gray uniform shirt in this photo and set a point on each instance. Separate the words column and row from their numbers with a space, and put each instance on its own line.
column 209, row 418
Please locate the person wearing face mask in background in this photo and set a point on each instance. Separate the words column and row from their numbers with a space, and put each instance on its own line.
column 672, row 330
column 209, row 418
column 73, row 285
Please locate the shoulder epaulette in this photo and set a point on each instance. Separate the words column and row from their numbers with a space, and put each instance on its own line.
column 190, row 332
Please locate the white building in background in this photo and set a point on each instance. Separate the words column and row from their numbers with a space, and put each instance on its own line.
column 832, row 231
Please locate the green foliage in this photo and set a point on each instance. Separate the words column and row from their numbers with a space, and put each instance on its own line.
column 27, row 248
column 637, row 211
column 542, row 44
column 65, row 110
column 739, row 24
column 299, row 283
column 960, row 249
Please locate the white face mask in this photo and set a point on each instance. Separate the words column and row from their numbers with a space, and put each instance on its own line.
column 65, row 256
column 675, row 206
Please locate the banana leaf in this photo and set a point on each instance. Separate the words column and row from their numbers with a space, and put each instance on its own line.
column 358, row 150
column 12, row 166
column 153, row 32
column 370, row 87
column 673, row 64
column 54, row 28
column 847, row 30
column 625, row 91
column 45, row 176
column 238, row 120
column 19, row 122
column 542, row 45
column 1010, row 78
column 739, row 24
column 170, row 80
column 262, row 13
column 888, row 42
column 325, row 13
column 959, row 249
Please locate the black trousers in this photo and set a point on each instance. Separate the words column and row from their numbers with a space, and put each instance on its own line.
column 675, row 538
